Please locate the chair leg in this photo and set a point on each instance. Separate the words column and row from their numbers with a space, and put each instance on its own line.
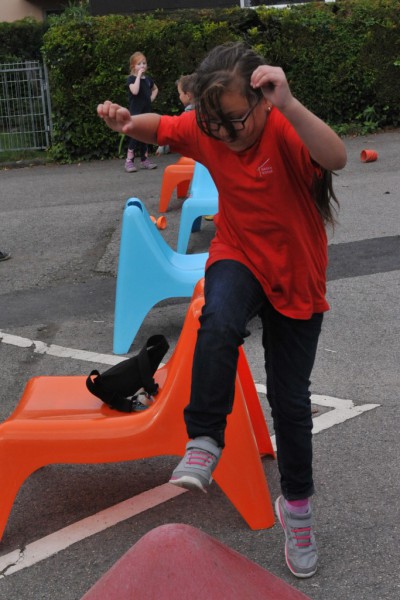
column 165, row 195
column 128, row 319
column 196, row 225
column 240, row 473
column 185, row 228
column 14, row 470
column 169, row 183
column 183, row 189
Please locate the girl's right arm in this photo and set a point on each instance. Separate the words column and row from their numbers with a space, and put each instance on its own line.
column 140, row 127
column 135, row 86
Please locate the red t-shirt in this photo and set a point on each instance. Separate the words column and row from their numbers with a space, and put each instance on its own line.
column 267, row 218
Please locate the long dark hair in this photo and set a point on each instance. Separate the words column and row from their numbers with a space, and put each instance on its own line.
column 325, row 198
column 229, row 67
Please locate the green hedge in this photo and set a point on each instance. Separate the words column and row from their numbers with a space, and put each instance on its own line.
column 342, row 61
column 21, row 40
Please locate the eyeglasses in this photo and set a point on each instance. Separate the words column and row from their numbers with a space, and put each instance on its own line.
column 232, row 126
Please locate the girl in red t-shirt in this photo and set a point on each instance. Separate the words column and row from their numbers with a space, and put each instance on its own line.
column 271, row 160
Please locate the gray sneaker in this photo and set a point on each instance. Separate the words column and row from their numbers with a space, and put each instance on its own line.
column 146, row 164
column 129, row 166
column 194, row 472
column 300, row 547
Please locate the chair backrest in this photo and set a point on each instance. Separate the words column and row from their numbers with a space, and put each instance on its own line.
column 151, row 228
column 202, row 183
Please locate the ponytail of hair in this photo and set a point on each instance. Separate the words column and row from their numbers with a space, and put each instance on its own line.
column 325, row 198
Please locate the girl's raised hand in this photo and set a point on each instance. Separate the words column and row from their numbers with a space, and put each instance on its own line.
column 114, row 115
column 273, row 83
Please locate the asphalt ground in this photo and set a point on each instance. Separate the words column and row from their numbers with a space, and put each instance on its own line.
column 62, row 226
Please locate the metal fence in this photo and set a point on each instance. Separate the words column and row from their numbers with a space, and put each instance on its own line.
column 25, row 111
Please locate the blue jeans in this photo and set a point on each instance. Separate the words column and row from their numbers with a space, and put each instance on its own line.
column 233, row 296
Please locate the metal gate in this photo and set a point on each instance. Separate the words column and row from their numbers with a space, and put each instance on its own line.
column 25, row 111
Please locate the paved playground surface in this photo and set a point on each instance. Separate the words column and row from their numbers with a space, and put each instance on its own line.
column 70, row 523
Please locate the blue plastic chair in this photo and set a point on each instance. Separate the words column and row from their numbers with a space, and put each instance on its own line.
column 202, row 200
column 148, row 271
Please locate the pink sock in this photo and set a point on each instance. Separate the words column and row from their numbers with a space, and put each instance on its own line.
column 130, row 155
column 298, row 507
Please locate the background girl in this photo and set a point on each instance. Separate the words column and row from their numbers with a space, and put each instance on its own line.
column 142, row 91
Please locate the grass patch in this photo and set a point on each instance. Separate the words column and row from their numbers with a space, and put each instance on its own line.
column 7, row 156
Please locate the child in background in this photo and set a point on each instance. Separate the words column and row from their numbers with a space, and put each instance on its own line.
column 185, row 91
column 141, row 92
column 185, row 85
column 271, row 160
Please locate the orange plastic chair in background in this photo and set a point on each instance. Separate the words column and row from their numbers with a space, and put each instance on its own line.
column 178, row 175
column 185, row 160
column 59, row 421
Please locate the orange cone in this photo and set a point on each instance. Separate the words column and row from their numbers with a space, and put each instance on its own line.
column 368, row 155
column 160, row 223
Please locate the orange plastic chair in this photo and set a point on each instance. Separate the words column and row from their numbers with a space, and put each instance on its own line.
column 177, row 176
column 59, row 421
column 185, row 160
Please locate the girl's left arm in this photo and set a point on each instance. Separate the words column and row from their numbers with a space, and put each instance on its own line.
column 324, row 145
column 154, row 92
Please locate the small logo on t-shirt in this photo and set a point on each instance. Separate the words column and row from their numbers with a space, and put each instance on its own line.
column 265, row 168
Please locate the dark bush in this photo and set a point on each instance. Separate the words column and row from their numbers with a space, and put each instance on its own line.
column 21, row 40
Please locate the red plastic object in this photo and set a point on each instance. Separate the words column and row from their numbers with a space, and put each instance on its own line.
column 177, row 562
column 177, row 176
column 368, row 156
column 160, row 223
column 58, row 421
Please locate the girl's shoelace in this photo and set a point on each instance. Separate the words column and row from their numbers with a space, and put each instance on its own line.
column 201, row 458
column 302, row 535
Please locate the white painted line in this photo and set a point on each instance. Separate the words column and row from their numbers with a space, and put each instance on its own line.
column 60, row 351
column 343, row 410
column 62, row 539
